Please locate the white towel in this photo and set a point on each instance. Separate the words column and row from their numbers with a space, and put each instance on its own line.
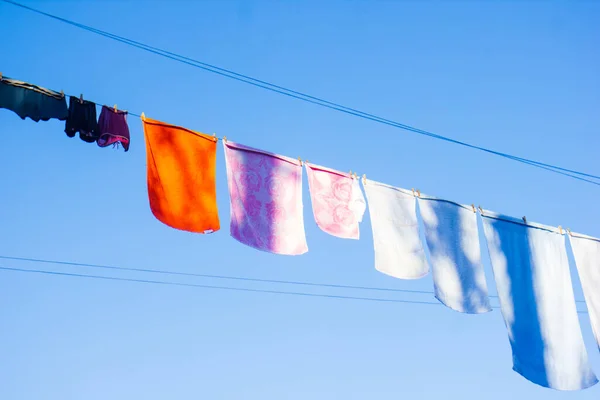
column 455, row 256
column 587, row 258
column 398, row 248
column 531, row 269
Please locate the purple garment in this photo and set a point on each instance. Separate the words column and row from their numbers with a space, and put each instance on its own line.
column 113, row 128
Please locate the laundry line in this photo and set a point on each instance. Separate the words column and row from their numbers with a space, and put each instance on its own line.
column 308, row 98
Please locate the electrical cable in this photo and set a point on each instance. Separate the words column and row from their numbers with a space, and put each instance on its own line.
column 311, row 99
column 225, row 277
column 230, row 288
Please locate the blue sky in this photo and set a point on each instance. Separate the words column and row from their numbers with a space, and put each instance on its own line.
column 515, row 76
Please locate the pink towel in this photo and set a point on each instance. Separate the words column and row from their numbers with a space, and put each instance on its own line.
column 265, row 193
column 337, row 201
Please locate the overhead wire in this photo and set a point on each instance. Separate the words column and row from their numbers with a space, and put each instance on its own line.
column 224, row 277
column 309, row 98
column 228, row 288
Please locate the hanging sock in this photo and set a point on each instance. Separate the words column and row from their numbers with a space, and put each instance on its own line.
column 398, row 248
column 32, row 101
column 113, row 127
column 337, row 201
column 265, row 193
column 82, row 119
column 181, row 177
column 455, row 256
column 586, row 250
column 532, row 276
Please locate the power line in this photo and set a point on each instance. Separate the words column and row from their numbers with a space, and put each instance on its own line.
column 112, row 278
column 225, row 277
column 230, row 288
column 308, row 98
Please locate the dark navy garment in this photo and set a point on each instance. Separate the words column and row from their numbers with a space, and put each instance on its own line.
column 32, row 101
column 82, row 119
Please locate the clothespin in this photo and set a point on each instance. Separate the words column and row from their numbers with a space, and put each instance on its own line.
column 62, row 93
column 419, row 192
column 364, row 179
column 355, row 175
column 480, row 210
column 351, row 176
column 569, row 232
column 560, row 229
column 115, row 107
column 224, row 139
column 413, row 190
column 143, row 116
column 0, row 76
column 474, row 209
column 524, row 219
column 81, row 98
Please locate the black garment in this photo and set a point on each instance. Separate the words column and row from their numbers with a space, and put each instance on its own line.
column 82, row 119
column 32, row 101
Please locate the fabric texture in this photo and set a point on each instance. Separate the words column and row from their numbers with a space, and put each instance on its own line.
column 398, row 248
column 181, row 168
column 82, row 119
column 532, row 276
column 455, row 256
column 337, row 201
column 35, row 102
column 265, row 193
column 113, row 128
column 587, row 258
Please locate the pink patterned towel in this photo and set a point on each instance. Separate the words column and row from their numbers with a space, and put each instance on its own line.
column 337, row 201
column 265, row 193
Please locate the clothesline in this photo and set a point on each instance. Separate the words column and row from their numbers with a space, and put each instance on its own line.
column 415, row 192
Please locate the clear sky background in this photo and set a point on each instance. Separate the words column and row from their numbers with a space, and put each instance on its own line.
column 515, row 76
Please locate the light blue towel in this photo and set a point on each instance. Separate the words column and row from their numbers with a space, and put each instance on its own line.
column 531, row 269
column 455, row 256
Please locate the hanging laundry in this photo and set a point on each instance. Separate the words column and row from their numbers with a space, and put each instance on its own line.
column 532, row 276
column 82, row 119
column 265, row 191
column 28, row 100
column 181, row 168
column 398, row 248
column 586, row 250
column 113, row 127
column 455, row 256
column 337, row 201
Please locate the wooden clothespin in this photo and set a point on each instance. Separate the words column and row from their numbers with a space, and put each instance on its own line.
column 569, row 232
column 474, row 209
column 81, row 98
column 0, row 76
column 224, row 139
column 62, row 93
column 300, row 160
column 355, row 175
column 524, row 219
column 115, row 108
column 364, row 179
column 351, row 175
column 413, row 190
column 143, row 116
column 560, row 229
column 419, row 192
column 480, row 210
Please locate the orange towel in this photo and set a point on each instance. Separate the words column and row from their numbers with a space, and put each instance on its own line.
column 181, row 177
